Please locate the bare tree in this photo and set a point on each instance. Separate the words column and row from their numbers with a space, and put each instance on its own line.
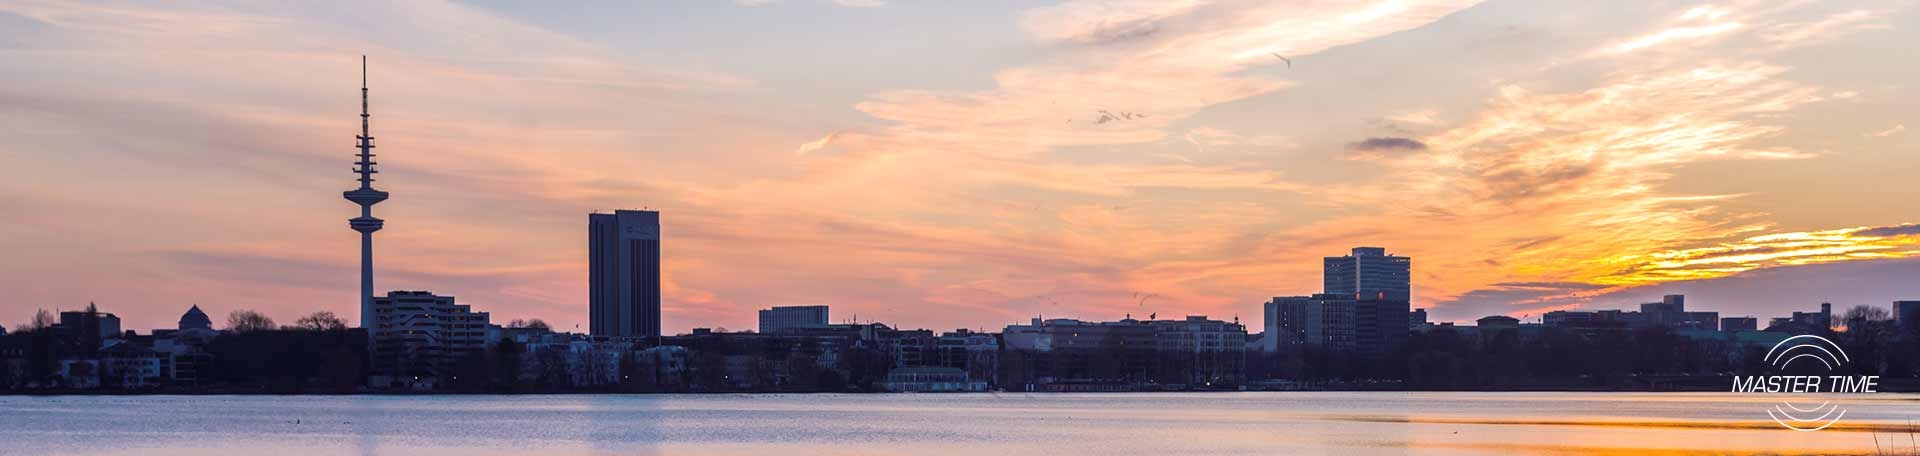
column 1864, row 317
column 41, row 320
column 321, row 321
column 538, row 324
column 244, row 320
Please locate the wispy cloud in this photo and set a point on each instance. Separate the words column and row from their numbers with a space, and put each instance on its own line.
column 1793, row 34
column 1779, row 249
column 1699, row 23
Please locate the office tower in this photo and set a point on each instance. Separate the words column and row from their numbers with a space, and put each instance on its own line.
column 1369, row 273
column 365, row 196
column 1417, row 319
column 624, row 274
column 1381, row 287
column 784, row 318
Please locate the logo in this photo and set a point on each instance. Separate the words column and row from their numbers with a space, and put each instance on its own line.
column 1806, row 364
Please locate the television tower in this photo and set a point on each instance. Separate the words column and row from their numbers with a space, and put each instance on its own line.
column 366, row 197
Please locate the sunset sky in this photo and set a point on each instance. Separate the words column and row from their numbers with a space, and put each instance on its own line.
column 942, row 164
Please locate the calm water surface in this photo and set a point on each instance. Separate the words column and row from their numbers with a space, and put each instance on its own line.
column 1005, row 423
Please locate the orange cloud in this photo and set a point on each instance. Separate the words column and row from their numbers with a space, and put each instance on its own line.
column 1780, row 249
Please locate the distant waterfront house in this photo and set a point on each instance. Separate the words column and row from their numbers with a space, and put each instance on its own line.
column 1129, row 354
column 931, row 380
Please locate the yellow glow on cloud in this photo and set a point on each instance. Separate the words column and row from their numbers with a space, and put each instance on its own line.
column 1782, row 249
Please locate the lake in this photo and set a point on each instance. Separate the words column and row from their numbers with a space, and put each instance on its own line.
column 1344, row 423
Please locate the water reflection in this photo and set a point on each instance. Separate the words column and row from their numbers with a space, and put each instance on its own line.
column 1049, row 424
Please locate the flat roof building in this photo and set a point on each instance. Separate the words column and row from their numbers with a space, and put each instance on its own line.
column 417, row 334
column 623, row 250
column 787, row 318
column 1323, row 321
column 1369, row 273
column 1907, row 313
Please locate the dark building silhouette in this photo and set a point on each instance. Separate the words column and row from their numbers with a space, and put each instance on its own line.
column 1907, row 313
column 1381, row 287
column 1369, row 273
column 623, row 251
column 195, row 319
column 1498, row 321
column 1805, row 321
column 90, row 323
column 785, row 318
column 1380, row 326
column 1323, row 321
column 1735, row 324
column 1128, row 355
column 418, row 335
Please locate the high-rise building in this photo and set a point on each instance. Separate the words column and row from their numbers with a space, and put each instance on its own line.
column 365, row 196
column 1370, row 273
column 1381, row 288
column 784, row 318
column 624, row 274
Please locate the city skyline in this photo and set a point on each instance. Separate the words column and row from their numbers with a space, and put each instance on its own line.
column 977, row 199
